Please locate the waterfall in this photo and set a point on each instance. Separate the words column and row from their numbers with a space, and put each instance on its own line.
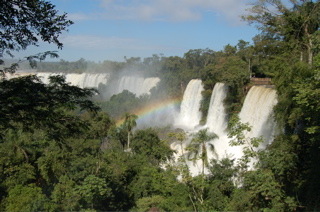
column 83, row 80
column 44, row 76
column 87, row 80
column 217, row 116
column 257, row 110
column 136, row 85
column 190, row 115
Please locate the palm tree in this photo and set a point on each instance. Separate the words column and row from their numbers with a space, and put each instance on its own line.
column 198, row 147
column 129, row 123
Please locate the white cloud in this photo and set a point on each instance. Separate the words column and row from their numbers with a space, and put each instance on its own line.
column 173, row 10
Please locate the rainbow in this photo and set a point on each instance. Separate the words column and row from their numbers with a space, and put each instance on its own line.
column 153, row 108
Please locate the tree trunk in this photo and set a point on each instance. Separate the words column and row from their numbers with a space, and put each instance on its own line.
column 181, row 145
column 128, row 139
column 309, row 46
column 203, row 157
column 250, row 72
column 310, row 54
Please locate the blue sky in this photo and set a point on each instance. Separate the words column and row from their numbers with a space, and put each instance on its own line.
column 112, row 29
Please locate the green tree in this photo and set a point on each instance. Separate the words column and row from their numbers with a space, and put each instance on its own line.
column 237, row 134
column 171, row 78
column 198, row 148
column 129, row 123
column 24, row 23
column 260, row 191
column 230, row 50
column 162, row 189
column 39, row 128
column 246, row 52
column 180, row 136
column 64, row 196
column 261, row 188
column 221, row 183
column 100, row 123
column 295, row 23
column 147, row 143
column 121, row 103
column 305, row 126
column 33, row 104
column 93, row 190
column 150, row 203
column 28, row 198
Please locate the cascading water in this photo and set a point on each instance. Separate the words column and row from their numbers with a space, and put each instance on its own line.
column 190, row 115
column 83, row 80
column 217, row 123
column 257, row 110
column 217, row 116
column 136, row 85
column 44, row 76
column 188, row 118
column 87, row 80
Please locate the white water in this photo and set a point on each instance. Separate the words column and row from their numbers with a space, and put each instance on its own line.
column 136, row 85
column 257, row 111
column 82, row 80
column 190, row 115
column 217, row 123
column 217, row 116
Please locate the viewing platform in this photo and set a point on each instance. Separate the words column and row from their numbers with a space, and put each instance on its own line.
column 265, row 82
column 261, row 82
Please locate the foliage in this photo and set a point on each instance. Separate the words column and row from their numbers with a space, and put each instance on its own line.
column 78, row 66
column 25, row 23
column 146, row 203
column 123, row 102
column 30, row 103
column 180, row 136
column 147, row 143
column 221, row 185
column 198, row 148
column 261, row 191
column 28, row 198
column 294, row 25
column 93, row 190
column 128, row 124
column 30, row 19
